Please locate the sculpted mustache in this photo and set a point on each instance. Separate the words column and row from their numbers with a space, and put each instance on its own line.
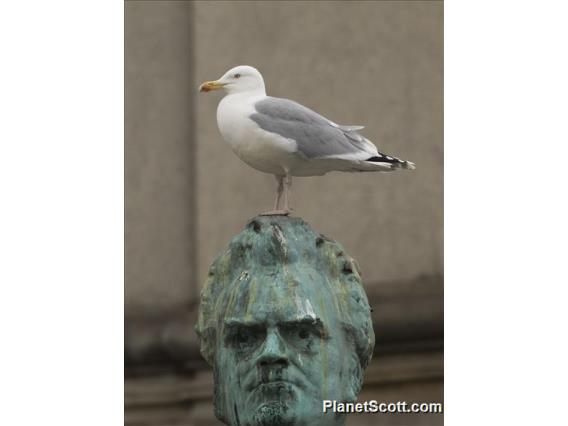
column 257, row 383
column 257, row 379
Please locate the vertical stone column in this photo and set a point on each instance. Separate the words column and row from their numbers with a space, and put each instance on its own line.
column 159, row 170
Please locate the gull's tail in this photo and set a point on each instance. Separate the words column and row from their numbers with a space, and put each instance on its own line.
column 388, row 161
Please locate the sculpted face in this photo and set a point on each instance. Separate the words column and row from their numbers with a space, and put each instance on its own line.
column 285, row 323
column 282, row 350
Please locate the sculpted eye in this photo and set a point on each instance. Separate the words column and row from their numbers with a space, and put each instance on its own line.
column 237, row 75
column 244, row 337
column 304, row 334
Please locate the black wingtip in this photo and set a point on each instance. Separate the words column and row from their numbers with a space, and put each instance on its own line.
column 393, row 161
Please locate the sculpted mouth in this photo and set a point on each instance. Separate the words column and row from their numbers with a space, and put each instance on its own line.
column 273, row 384
column 277, row 390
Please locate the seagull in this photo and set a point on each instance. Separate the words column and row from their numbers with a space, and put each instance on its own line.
column 283, row 138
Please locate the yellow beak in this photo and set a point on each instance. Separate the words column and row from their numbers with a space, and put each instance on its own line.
column 210, row 85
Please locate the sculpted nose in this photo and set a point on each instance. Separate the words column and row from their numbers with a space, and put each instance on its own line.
column 274, row 351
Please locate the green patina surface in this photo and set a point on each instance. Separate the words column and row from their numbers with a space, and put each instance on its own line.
column 285, row 323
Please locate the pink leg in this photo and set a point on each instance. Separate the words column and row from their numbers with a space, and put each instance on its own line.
column 287, row 192
column 283, row 186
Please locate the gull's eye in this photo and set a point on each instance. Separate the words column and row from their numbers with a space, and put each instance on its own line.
column 237, row 75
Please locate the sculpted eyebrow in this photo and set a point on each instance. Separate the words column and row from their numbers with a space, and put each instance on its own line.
column 232, row 323
column 313, row 323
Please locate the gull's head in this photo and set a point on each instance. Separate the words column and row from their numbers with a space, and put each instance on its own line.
column 240, row 79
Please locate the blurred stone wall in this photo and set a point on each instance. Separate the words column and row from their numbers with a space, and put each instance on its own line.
column 377, row 64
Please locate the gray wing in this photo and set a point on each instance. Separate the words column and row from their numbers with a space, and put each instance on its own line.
column 316, row 136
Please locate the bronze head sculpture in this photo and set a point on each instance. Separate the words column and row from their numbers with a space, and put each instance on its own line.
column 285, row 323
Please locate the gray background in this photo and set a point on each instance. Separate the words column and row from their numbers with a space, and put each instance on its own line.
column 377, row 64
